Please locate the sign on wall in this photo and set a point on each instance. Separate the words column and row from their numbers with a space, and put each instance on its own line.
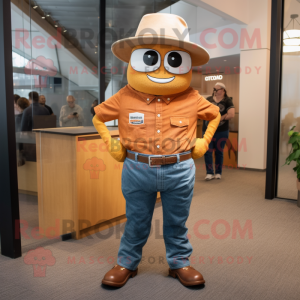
column 211, row 78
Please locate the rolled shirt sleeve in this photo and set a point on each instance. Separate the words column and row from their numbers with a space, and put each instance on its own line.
column 206, row 110
column 109, row 109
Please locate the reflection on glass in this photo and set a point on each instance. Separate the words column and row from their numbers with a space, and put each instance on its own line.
column 55, row 77
column 290, row 95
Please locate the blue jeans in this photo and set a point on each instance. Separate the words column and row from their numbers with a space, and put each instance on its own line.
column 218, row 143
column 140, row 184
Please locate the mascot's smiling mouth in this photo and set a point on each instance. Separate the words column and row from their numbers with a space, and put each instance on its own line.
column 160, row 80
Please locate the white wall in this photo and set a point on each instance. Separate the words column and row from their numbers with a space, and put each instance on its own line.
column 254, row 90
column 253, row 110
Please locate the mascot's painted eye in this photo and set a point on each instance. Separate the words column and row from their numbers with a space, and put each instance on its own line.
column 178, row 62
column 150, row 58
column 174, row 59
column 145, row 60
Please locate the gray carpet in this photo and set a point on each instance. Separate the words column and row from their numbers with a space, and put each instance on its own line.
column 263, row 267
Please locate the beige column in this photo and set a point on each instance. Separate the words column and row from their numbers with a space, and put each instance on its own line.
column 254, row 88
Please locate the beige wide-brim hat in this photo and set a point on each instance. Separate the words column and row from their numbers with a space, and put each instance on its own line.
column 161, row 29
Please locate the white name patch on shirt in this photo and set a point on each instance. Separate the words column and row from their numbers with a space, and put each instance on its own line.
column 136, row 118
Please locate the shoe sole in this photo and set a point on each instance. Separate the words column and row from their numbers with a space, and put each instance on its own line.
column 185, row 283
column 208, row 179
column 120, row 284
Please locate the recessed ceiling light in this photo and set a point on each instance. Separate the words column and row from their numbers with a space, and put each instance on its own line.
column 225, row 60
column 48, row 15
column 55, row 25
column 43, row 17
column 35, row 7
column 96, row 52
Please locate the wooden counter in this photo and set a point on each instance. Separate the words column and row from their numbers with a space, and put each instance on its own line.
column 79, row 183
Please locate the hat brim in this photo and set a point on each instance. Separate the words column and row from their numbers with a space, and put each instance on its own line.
column 122, row 48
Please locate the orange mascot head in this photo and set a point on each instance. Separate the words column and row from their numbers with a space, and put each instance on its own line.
column 160, row 56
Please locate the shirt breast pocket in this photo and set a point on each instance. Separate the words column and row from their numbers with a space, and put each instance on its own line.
column 179, row 125
column 136, row 133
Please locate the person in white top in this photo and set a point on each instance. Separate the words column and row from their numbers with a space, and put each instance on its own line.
column 71, row 115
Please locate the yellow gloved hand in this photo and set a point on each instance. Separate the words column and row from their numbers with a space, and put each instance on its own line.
column 201, row 145
column 200, row 148
column 114, row 147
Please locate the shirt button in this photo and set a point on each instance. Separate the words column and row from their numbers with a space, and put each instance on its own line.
column 157, row 146
column 158, row 115
column 158, row 100
column 158, row 131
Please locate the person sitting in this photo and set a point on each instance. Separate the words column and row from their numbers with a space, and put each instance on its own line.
column 71, row 115
column 35, row 109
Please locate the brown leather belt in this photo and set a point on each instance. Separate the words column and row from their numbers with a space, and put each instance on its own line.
column 159, row 160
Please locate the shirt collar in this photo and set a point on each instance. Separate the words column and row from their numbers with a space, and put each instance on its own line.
column 166, row 98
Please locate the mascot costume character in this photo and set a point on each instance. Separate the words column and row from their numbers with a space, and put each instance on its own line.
column 157, row 113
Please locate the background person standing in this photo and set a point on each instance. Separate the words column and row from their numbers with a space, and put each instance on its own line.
column 16, row 97
column 227, row 111
column 71, row 115
column 42, row 101
column 35, row 109
column 22, row 104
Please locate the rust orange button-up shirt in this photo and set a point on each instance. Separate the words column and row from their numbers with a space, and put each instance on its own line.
column 157, row 125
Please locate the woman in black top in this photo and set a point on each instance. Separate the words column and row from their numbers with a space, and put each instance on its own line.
column 227, row 111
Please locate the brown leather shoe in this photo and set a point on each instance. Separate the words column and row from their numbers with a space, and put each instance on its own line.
column 118, row 276
column 187, row 276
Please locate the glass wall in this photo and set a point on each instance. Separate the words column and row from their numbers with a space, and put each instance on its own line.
column 55, row 78
column 290, row 97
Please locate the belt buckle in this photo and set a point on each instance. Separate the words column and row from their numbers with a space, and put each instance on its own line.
column 149, row 161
